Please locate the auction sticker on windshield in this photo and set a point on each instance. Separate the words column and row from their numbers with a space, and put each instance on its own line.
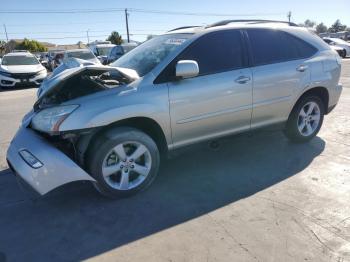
column 175, row 41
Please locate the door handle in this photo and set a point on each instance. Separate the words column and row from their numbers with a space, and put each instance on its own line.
column 302, row 68
column 242, row 79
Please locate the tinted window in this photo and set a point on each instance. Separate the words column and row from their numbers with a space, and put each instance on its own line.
column 216, row 52
column 303, row 48
column 272, row 46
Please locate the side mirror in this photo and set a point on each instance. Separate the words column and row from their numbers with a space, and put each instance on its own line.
column 187, row 69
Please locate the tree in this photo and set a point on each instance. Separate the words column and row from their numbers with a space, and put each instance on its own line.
column 150, row 37
column 337, row 27
column 321, row 28
column 31, row 45
column 2, row 45
column 309, row 23
column 115, row 38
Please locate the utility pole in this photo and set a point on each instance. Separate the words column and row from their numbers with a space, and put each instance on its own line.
column 7, row 38
column 87, row 36
column 127, row 24
column 289, row 15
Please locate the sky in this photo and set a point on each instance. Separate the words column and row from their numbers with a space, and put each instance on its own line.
column 69, row 28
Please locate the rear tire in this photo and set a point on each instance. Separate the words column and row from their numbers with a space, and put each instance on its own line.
column 305, row 120
column 123, row 161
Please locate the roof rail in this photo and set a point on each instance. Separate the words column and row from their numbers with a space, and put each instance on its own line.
column 183, row 27
column 250, row 21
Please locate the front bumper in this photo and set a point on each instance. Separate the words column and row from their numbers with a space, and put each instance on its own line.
column 8, row 81
column 57, row 169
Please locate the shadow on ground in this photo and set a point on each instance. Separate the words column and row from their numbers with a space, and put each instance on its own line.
column 75, row 223
column 3, row 89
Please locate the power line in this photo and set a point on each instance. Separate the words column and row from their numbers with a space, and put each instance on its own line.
column 199, row 13
column 111, row 10
column 78, row 37
column 54, row 24
column 83, row 31
column 67, row 11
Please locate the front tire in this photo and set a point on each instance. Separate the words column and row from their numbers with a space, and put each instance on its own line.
column 305, row 120
column 123, row 161
column 344, row 54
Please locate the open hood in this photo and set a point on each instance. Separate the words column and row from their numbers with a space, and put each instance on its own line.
column 79, row 79
column 75, row 66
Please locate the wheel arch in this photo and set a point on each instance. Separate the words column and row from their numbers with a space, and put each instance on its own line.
column 320, row 92
column 147, row 125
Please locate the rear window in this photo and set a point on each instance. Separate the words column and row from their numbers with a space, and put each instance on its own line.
column 81, row 55
column 273, row 46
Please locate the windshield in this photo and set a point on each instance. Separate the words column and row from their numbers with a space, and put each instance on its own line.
column 103, row 51
column 19, row 60
column 128, row 48
column 81, row 54
column 148, row 55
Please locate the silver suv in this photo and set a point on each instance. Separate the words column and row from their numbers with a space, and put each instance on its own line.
column 110, row 125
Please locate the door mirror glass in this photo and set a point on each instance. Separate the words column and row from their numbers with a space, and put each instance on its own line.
column 187, row 69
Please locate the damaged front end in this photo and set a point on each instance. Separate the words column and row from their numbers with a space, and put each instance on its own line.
column 40, row 153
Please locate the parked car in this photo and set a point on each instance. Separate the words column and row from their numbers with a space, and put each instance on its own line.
column 50, row 57
column 340, row 43
column 119, row 50
column 21, row 69
column 341, row 51
column 101, row 50
column 84, row 54
column 111, row 124
column 56, row 60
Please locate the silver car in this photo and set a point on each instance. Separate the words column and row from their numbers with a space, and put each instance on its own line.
column 111, row 124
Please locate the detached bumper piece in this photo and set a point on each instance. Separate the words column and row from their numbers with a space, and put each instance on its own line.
column 41, row 165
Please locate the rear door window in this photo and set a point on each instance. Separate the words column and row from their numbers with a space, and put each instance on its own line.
column 273, row 46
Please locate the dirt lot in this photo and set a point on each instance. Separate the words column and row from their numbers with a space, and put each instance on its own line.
column 255, row 198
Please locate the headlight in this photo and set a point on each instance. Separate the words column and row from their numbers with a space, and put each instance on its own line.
column 43, row 71
column 50, row 119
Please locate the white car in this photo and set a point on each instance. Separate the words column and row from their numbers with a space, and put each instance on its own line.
column 21, row 69
column 101, row 49
column 84, row 54
column 338, row 42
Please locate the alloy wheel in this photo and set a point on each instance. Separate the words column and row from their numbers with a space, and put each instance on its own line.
column 127, row 165
column 309, row 118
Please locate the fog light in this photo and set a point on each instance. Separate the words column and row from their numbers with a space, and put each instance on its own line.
column 6, row 82
column 30, row 159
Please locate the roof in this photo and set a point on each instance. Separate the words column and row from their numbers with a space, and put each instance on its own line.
column 104, row 45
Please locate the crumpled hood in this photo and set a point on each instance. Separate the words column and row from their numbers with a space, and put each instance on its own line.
column 74, row 66
column 15, row 69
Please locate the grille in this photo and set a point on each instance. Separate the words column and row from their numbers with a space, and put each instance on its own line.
column 22, row 75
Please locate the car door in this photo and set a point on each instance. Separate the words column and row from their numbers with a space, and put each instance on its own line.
column 219, row 100
column 280, row 71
